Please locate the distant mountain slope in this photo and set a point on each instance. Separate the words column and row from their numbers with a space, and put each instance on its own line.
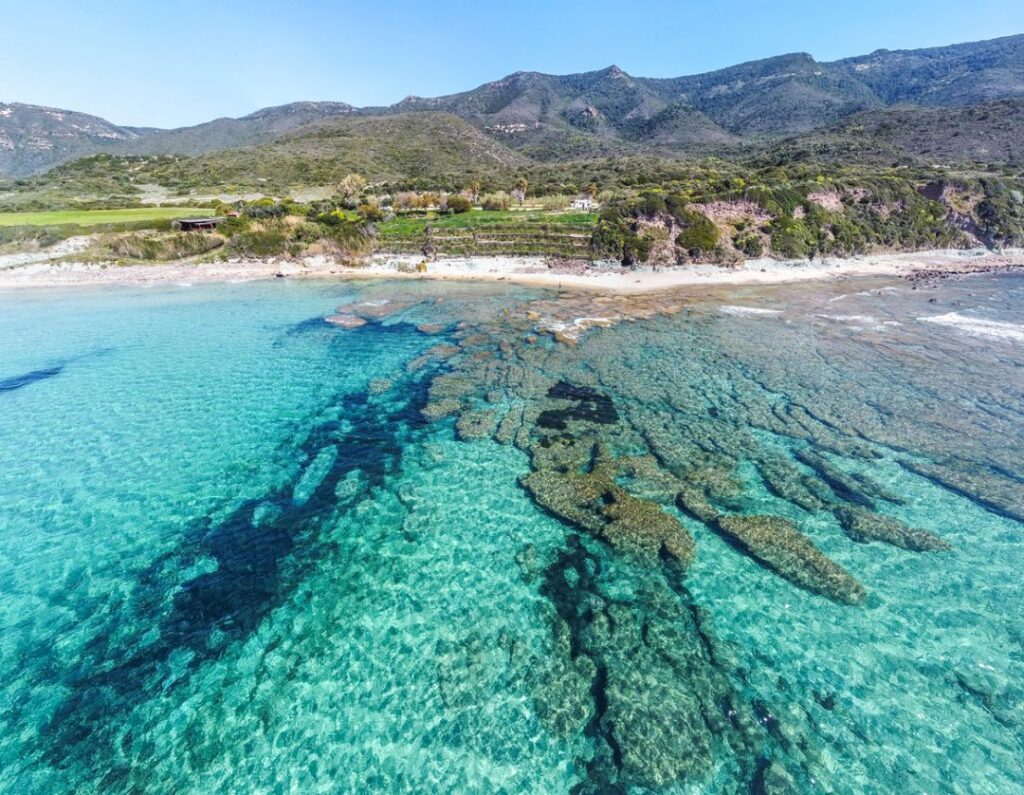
column 961, row 74
column 786, row 94
column 33, row 138
column 594, row 114
column 256, row 128
column 989, row 132
column 555, row 117
column 428, row 145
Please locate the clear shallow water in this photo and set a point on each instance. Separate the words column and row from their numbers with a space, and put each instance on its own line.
column 236, row 555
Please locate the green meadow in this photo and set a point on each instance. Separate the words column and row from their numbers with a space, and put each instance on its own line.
column 90, row 218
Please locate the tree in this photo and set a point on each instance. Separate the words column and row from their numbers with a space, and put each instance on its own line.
column 519, row 193
column 351, row 186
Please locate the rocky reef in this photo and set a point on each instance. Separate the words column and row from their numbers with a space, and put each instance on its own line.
column 621, row 453
column 776, row 543
column 593, row 502
column 863, row 525
column 643, row 677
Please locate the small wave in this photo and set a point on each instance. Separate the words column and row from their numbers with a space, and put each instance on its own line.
column 979, row 327
column 748, row 310
column 861, row 321
column 852, row 318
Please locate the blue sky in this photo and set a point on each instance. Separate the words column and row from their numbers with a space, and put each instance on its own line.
column 180, row 62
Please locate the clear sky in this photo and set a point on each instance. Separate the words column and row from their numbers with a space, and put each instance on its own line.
column 179, row 62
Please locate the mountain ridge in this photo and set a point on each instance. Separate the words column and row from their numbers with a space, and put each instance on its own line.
column 600, row 113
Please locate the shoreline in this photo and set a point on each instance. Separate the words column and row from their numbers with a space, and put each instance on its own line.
column 923, row 266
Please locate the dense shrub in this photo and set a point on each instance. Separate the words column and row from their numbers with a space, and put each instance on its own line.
column 371, row 212
column 458, row 204
column 792, row 239
column 699, row 235
column 749, row 244
column 265, row 208
column 497, row 201
column 269, row 242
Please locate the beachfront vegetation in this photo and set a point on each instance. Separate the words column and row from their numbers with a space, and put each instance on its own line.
column 653, row 210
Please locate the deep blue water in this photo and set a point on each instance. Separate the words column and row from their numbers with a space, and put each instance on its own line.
column 244, row 550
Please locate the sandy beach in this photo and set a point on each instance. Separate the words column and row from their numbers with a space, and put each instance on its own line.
column 19, row 272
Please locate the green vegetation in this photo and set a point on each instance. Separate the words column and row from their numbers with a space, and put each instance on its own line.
column 699, row 236
column 93, row 218
column 165, row 248
column 491, row 232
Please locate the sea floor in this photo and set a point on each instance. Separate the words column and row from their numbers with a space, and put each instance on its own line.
column 484, row 538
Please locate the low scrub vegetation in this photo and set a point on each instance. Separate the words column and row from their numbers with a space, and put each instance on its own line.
column 165, row 248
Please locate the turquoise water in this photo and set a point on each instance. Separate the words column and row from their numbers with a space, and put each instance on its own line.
column 244, row 550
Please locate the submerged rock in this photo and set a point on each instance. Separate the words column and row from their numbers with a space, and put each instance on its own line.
column 593, row 502
column 660, row 705
column 863, row 525
column 439, row 409
column 777, row 544
column 378, row 386
column 693, row 501
column 509, row 426
column 345, row 321
column 785, row 480
column 476, row 424
column 643, row 526
column 844, row 485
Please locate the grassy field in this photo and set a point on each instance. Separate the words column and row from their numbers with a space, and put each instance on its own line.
column 411, row 225
column 88, row 218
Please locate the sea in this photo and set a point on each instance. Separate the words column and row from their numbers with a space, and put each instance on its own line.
column 498, row 539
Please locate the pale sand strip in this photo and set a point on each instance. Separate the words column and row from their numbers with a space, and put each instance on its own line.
column 608, row 278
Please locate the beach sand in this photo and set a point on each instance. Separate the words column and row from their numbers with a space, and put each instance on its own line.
column 602, row 277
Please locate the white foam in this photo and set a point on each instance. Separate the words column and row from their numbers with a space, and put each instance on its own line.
column 979, row 327
column 748, row 310
column 852, row 318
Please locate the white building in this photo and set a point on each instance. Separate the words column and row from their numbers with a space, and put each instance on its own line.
column 586, row 204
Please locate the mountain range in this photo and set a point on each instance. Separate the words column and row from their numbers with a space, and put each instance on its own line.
column 962, row 102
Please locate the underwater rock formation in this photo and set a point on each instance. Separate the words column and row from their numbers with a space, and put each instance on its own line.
column 694, row 501
column 660, row 706
column 862, row 525
column 439, row 409
column 476, row 424
column 785, row 480
column 777, row 544
column 593, row 502
column 845, row 486
column 993, row 491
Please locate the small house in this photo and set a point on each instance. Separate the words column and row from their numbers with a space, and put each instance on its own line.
column 197, row 224
column 584, row 204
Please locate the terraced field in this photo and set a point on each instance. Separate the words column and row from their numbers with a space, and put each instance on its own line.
column 482, row 232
